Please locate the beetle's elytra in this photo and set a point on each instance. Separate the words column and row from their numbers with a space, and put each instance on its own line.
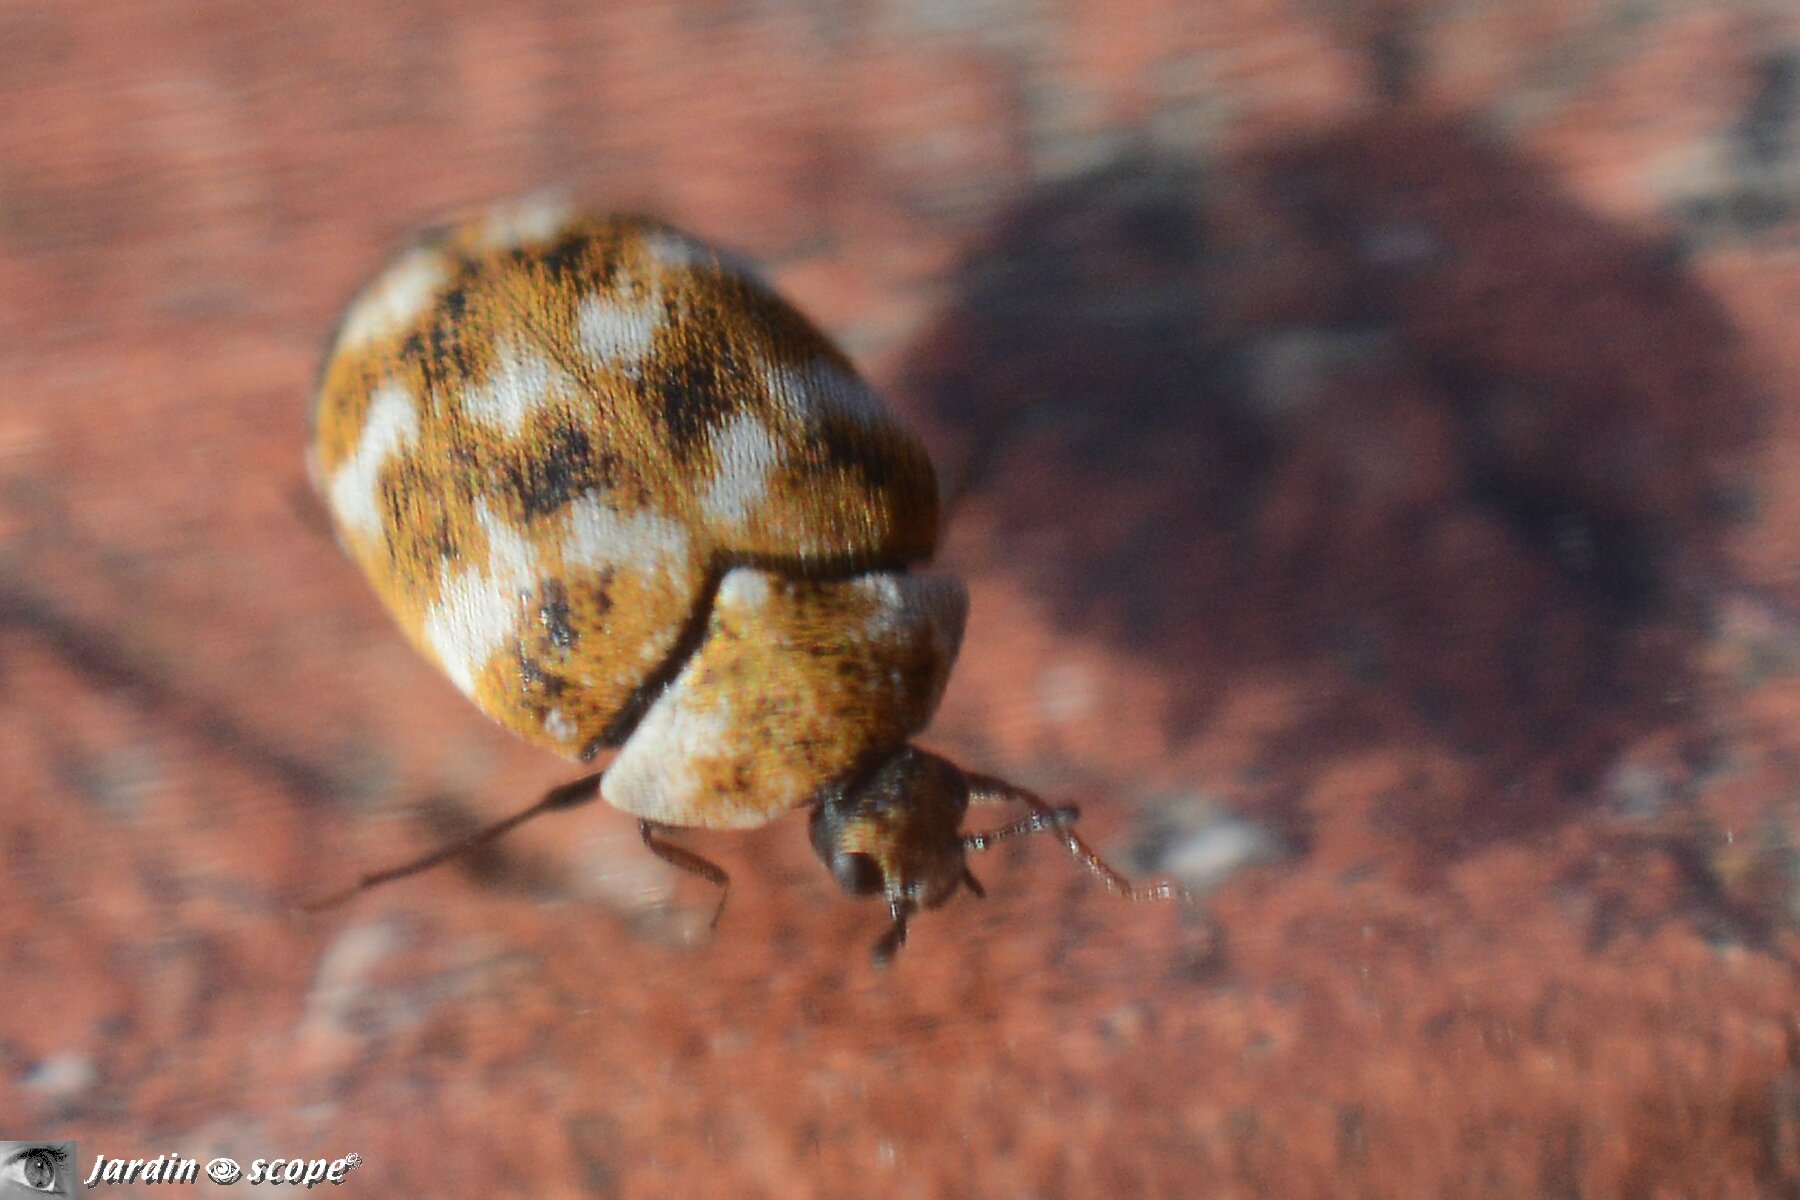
column 630, row 500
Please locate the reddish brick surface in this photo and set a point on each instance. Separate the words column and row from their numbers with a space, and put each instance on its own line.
column 1376, row 435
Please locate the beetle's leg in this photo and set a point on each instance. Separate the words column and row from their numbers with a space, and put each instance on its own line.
column 686, row 860
column 895, row 937
column 1045, row 818
column 564, row 795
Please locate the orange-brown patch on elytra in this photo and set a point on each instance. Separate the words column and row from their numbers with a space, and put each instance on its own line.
column 586, row 641
column 797, row 683
column 850, row 484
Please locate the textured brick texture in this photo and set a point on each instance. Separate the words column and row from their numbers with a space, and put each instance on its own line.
column 1375, row 439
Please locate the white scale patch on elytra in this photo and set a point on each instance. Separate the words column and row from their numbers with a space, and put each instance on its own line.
column 745, row 589
column 600, row 536
column 479, row 607
column 396, row 300
column 354, row 491
column 615, row 333
column 558, row 726
column 520, row 383
column 747, row 457
column 822, row 387
column 533, row 219
column 676, row 251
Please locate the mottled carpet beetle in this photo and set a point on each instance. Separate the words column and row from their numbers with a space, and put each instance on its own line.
column 630, row 500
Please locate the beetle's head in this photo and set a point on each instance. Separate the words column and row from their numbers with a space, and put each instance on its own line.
column 895, row 832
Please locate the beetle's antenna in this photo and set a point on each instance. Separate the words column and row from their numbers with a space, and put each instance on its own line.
column 567, row 795
column 1045, row 818
column 1037, row 822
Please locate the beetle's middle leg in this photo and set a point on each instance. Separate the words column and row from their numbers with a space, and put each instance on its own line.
column 684, row 859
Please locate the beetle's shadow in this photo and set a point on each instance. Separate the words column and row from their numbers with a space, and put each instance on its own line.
column 1382, row 406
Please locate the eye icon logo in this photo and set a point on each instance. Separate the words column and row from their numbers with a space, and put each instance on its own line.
column 223, row 1170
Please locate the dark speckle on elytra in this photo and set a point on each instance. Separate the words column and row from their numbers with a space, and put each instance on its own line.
column 566, row 255
column 838, row 450
column 693, row 393
column 453, row 303
column 553, row 611
column 448, row 548
column 535, row 679
column 556, row 468
column 445, row 334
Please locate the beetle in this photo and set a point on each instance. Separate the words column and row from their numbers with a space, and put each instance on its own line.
column 630, row 500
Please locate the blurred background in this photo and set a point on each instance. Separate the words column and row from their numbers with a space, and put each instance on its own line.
column 1374, row 434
